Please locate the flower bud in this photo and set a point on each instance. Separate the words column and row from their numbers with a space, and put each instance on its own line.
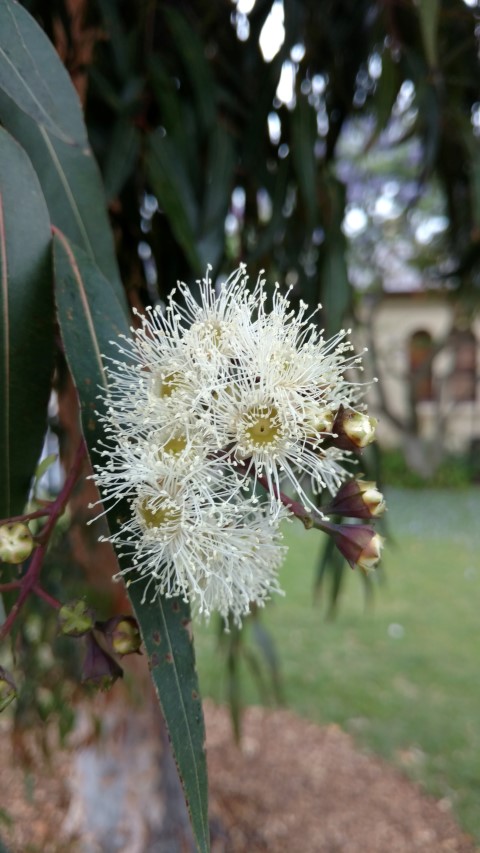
column 358, row 499
column 122, row 635
column 75, row 619
column 16, row 543
column 359, row 544
column 8, row 690
column 371, row 554
column 360, row 429
column 99, row 668
column 354, row 429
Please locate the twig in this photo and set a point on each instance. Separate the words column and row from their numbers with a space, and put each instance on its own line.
column 30, row 581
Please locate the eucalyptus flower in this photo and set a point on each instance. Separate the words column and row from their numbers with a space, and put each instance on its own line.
column 216, row 405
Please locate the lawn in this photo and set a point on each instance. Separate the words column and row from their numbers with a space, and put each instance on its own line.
column 402, row 676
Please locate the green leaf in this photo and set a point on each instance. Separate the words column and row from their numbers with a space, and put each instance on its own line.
column 218, row 191
column 336, row 290
column 304, row 135
column 26, row 325
column 72, row 187
column 91, row 317
column 385, row 96
column 44, row 465
column 122, row 156
column 117, row 38
column 192, row 52
column 171, row 185
column 33, row 76
column 166, row 630
column 428, row 11
column 176, row 116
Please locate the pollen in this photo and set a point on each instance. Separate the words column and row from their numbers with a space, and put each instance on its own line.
column 175, row 445
column 262, row 427
column 164, row 514
column 165, row 386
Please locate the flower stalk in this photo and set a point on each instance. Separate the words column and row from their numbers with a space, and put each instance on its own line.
column 30, row 582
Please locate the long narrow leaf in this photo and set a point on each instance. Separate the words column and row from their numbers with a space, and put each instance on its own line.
column 192, row 51
column 33, row 76
column 171, row 185
column 90, row 318
column 26, row 323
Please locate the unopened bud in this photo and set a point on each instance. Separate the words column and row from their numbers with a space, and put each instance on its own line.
column 358, row 499
column 360, row 429
column 370, row 556
column 122, row 634
column 359, row 544
column 16, row 543
column 354, row 429
column 99, row 668
column 8, row 689
column 75, row 619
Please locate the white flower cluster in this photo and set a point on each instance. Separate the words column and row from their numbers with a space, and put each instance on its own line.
column 214, row 406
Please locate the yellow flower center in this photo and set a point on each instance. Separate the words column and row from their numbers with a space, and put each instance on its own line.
column 263, row 425
column 175, row 445
column 162, row 515
column 166, row 385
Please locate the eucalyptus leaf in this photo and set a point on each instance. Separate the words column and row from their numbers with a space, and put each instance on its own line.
column 72, row 186
column 428, row 11
column 192, row 52
column 304, row 135
column 122, row 156
column 27, row 322
column 170, row 182
column 91, row 318
column 33, row 76
column 44, row 465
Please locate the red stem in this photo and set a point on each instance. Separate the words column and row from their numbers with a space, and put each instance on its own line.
column 30, row 581
column 42, row 593
column 310, row 518
column 28, row 516
column 7, row 587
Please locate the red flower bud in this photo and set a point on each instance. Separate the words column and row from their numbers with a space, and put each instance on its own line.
column 360, row 545
column 355, row 430
column 357, row 499
column 122, row 635
column 99, row 668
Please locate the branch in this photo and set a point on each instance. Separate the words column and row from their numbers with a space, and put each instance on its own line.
column 30, row 581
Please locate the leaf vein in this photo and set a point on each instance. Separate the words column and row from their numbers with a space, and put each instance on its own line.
column 6, row 352
column 68, row 191
column 85, row 304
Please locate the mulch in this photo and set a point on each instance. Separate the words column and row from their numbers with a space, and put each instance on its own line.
column 290, row 786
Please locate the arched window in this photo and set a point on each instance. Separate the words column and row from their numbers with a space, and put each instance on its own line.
column 420, row 357
column 463, row 381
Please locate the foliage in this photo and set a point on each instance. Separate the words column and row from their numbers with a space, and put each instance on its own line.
column 452, row 472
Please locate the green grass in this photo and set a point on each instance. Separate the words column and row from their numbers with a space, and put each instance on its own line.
column 403, row 676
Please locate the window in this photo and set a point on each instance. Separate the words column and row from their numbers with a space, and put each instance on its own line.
column 421, row 352
column 463, row 381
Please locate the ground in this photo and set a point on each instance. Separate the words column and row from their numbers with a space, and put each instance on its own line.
column 290, row 786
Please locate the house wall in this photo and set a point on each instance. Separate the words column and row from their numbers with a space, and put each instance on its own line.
column 392, row 322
